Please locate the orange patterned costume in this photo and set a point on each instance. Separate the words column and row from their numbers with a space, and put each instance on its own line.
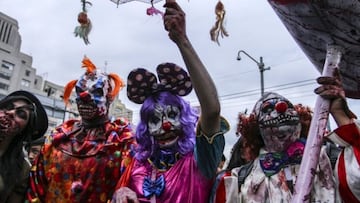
column 77, row 166
column 82, row 160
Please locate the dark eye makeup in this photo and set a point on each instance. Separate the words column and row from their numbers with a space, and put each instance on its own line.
column 20, row 111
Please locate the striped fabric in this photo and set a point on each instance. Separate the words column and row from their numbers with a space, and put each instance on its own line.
column 347, row 170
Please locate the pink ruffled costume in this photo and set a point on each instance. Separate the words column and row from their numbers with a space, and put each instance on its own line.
column 187, row 180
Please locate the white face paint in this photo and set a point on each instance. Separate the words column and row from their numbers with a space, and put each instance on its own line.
column 279, row 124
column 164, row 125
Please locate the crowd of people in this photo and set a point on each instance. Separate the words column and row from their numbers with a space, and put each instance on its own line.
column 175, row 154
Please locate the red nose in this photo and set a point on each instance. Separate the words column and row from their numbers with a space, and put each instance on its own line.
column 84, row 96
column 166, row 126
column 281, row 107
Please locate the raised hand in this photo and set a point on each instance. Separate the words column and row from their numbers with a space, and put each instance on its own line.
column 174, row 21
column 331, row 88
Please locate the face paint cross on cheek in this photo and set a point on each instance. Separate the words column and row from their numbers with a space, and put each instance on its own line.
column 164, row 119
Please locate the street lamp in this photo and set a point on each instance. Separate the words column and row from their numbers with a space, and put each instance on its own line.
column 261, row 66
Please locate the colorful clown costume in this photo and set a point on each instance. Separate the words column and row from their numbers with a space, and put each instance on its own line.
column 78, row 166
column 178, row 179
column 82, row 160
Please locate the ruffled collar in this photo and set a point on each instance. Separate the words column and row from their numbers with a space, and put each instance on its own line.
column 163, row 160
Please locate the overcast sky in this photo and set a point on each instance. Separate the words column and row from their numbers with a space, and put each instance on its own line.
column 125, row 38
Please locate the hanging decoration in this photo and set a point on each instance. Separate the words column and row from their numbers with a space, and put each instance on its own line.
column 219, row 28
column 85, row 26
column 149, row 11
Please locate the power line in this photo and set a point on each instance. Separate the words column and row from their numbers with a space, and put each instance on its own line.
column 250, row 102
column 253, row 92
column 236, row 74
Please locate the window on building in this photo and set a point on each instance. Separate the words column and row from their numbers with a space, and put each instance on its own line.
column 5, row 31
column 27, row 73
column 5, row 75
column 7, row 65
column 35, row 82
column 25, row 83
column 4, row 86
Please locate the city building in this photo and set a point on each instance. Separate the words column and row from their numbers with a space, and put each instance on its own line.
column 17, row 73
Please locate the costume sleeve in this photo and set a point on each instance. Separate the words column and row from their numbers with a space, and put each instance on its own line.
column 220, row 189
column 347, row 167
column 209, row 149
column 346, row 135
column 127, row 137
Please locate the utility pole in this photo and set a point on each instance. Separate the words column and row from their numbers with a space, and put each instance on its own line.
column 260, row 65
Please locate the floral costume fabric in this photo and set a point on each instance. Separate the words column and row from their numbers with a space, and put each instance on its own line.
column 89, row 163
column 186, row 181
column 347, row 170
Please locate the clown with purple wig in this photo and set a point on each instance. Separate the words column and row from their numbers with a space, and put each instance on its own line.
column 177, row 151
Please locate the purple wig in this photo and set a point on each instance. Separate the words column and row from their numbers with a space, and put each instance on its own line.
column 188, row 118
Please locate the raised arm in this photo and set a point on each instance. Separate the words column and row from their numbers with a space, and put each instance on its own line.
column 174, row 22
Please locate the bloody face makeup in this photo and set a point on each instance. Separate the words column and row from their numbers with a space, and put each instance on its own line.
column 164, row 125
column 91, row 91
column 14, row 117
column 278, row 122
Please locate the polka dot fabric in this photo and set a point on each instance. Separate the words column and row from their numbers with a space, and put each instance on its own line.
column 142, row 83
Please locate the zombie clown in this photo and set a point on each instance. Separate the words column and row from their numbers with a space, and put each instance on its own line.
column 82, row 160
column 276, row 130
column 171, row 159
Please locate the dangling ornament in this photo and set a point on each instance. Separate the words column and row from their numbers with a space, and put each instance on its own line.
column 153, row 11
column 149, row 11
column 218, row 28
column 85, row 26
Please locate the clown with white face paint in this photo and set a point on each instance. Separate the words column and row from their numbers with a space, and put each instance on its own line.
column 83, row 160
column 178, row 153
column 278, row 122
column 276, row 132
column 170, row 154
column 165, row 125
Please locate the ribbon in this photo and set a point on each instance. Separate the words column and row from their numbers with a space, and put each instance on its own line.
column 271, row 163
column 155, row 187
